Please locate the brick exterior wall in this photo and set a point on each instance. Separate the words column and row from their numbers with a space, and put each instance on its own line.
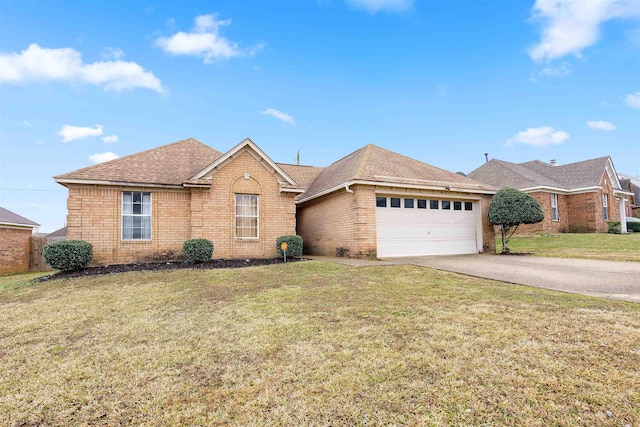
column 340, row 220
column 488, row 230
column 348, row 220
column 579, row 213
column 548, row 225
column 214, row 211
column 15, row 248
column 177, row 215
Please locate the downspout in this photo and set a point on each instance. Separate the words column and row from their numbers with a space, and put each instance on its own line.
column 346, row 187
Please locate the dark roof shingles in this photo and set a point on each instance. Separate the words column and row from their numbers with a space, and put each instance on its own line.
column 8, row 217
column 535, row 173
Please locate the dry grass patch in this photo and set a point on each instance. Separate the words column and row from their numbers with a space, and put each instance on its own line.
column 314, row 344
column 614, row 247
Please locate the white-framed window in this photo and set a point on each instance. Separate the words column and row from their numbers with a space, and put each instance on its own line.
column 554, row 207
column 136, row 215
column 605, row 207
column 247, row 216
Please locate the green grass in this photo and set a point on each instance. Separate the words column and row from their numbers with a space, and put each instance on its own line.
column 615, row 247
column 314, row 343
column 18, row 280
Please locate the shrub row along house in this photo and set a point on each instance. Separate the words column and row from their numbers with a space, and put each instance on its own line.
column 577, row 197
column 373, row 202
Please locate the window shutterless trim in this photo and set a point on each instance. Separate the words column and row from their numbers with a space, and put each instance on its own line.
column 132, row 215
column 256, row 216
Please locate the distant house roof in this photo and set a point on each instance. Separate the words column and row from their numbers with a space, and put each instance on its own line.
column 61, row 232
column 632, row 184
column 372, row 164
column 11, row 218
column 584, row 174
column 170, row 164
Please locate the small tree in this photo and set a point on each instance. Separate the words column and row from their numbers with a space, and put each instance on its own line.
column 510, row 208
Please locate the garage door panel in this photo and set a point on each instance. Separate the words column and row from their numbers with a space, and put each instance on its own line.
column 414, row 232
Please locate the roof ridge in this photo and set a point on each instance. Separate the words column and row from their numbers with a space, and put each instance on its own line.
column 587, row 160
column 363, row 160
column 507, row 165
column 302, row 166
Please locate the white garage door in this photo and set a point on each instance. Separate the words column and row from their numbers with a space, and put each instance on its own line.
column 413, row 226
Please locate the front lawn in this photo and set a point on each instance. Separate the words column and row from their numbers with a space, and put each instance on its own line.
column 615, row 247
column 314, row 343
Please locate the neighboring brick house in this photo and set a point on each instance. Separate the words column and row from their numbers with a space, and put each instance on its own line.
column 631, row 184
column 143, row 207
column 15, row 242
column 576, row 198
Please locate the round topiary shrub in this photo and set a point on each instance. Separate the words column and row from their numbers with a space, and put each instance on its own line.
column 68, row 255
column 294, row 245
column 198, row 250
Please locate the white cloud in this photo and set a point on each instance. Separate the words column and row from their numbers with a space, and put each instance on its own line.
column 279, row 115
column 539, row 137
column 569, row 26
column 103, row 157
column 71, row 133
column 375, row 6
column 633, row 100
column 112, row 53
column 601, row 125
column 559, row 71
column 205, row 40
column 26, row 123
column 110, row 139
column 66, row 65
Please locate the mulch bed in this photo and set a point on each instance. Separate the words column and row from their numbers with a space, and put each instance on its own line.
column 161, row 266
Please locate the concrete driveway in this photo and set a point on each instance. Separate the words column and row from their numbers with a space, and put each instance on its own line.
column 610, row 279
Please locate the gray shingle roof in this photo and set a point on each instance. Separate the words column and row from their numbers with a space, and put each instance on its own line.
column 60, row 232
column 587, row 173
column 8, row 217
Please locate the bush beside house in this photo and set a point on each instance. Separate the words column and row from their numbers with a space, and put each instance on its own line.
column 197, row 250
column 68, row 255
column 294, row 245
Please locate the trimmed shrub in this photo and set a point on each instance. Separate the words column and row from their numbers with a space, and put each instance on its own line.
column 294, row 245
column 509, row 208
column 614, row 227
column 68, row 255
column 198, row 250
column 633, row 226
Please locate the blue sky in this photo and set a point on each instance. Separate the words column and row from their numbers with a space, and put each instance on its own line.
column 443, row 82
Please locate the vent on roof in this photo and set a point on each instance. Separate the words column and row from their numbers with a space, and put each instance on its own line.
column 553, row 162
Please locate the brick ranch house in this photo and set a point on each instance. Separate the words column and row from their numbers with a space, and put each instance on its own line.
column 373, row 202
column 15, row 242
column 576, row 198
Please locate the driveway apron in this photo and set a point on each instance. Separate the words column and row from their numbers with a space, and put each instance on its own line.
column 611, row 279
